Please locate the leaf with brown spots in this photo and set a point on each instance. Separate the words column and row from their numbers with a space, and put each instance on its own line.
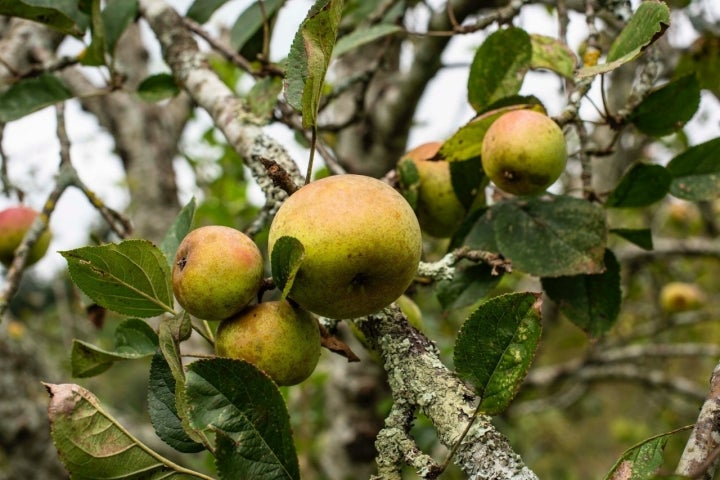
column 89, row 440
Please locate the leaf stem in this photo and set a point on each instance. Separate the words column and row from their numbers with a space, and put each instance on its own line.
column 462, row 437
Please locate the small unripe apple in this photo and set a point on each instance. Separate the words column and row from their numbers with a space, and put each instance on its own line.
column 362, row 244
column 217, row 272
column 278, row 338
column 524, row 152
column 438, row 209
column 14, row 224
column 680, row 297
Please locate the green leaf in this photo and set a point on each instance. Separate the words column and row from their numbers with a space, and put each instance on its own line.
column 476, row 232
column 202, row 10
column 171, row 332
column 133, row 339
column 158, row 87
column 177, row 231
column 285, row 259
column 117, row 16
column 94, row 446
column 647, row 24
column 552, row 54
column 95, row 52
column 641, row 186
column 30, row 95
column 263, row 98
column 131, row 278
column 669, row 108
column 499, row 67
column 163, row 410
column 641, row 237
column 551, row 236
column 592, row 302
column 469, row 284
column 468, row 179
column 234, row 397
column 409, row 179
column 251, row 21
column 641, row 461
column 310, row 56
column 364, row 36
column 703, row 59
column 696, row 172
column 496, row 345
column 61, row 15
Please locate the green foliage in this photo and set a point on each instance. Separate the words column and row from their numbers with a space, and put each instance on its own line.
column 62, row 15
column 30, row 95
column 642, row 237
column 166, row 420
column 592, row 302
column 551, row 54
column 668, row 108
column 498, row 68
column 202, row 10
column 131, row 278
column 641, row 461
column 286, row 258
column 696, row 172
column 93, row 445
column 641, row 186
column 245, row 410
column 409, row 179
column 469, row 283
column 158, row 87
column 496, row 345
column 363, row 36
column 309, row 58
column 180, row 227
column 133, row 339
column 647, row 24
column 250, row 22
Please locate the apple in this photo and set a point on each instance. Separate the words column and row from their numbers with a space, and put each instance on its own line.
column 680, row 297
column 438, row 209
column 14, row 224
column 523, row 152
column 280, row 339
column 217, row 272
column 362, row 244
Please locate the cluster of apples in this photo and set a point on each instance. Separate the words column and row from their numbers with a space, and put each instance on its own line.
column 14, row 224
column 362, row 245
column 523, row 152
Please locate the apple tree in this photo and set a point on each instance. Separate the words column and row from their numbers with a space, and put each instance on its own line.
column 543, row 249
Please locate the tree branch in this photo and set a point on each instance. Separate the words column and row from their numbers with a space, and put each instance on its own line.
column 699, row 459
column 419, row 380
column 229, row 114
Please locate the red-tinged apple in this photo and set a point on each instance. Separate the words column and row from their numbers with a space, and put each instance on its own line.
column 438, row 209
column 362, row 244
column 524, row 152
column 14, row 224
column 278, row 338
column 217, row 272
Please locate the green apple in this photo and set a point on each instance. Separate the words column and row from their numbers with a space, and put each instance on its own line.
column 278, row 338
column 438, row 209
column 14, row 224
column 524, row 152
column 680, row 297
column 362, row 244
column 217, row 272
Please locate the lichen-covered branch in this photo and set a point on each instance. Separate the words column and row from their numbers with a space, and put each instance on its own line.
column 700, row 457
column 419, row 380
column 192, row 72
